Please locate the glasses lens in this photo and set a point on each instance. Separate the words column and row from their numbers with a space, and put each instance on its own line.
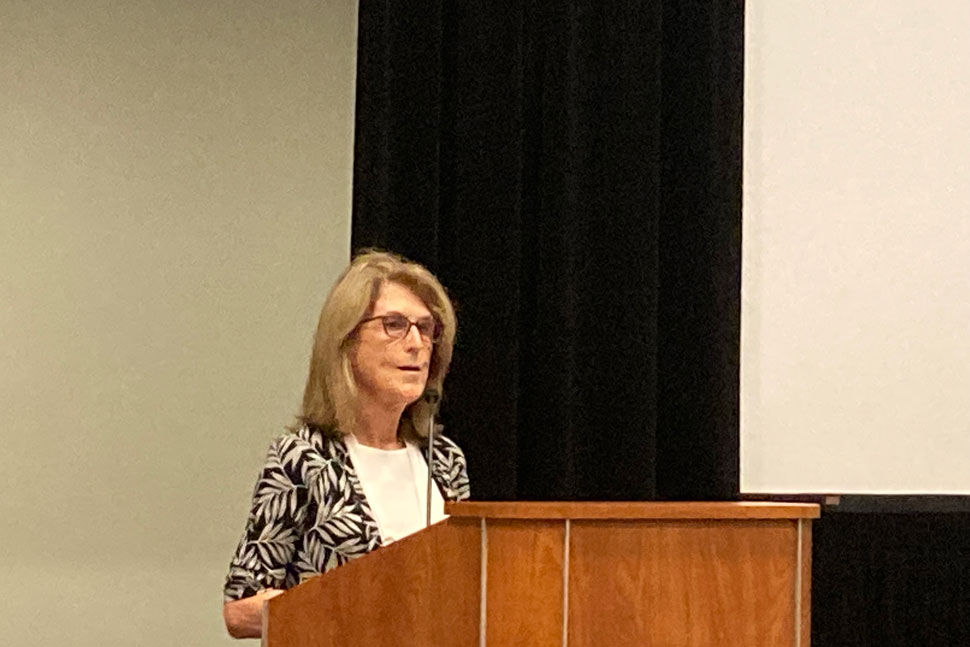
column 396, row 325
column 428, row 329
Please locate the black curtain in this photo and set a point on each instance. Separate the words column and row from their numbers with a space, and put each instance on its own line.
column 571, row 171
column 891, row 579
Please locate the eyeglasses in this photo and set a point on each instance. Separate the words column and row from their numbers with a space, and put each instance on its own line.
column 397, row 326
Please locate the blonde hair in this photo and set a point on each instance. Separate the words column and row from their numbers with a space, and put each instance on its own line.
column 330, row 397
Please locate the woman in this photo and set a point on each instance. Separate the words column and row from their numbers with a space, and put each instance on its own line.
column 352, row 476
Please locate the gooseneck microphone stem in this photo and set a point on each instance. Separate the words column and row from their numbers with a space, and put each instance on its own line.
column 431, row 397
column 427, row 521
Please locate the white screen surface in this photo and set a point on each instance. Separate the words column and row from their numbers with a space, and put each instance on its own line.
column 855, row 369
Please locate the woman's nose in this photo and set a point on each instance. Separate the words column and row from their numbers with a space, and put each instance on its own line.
column 413, row 338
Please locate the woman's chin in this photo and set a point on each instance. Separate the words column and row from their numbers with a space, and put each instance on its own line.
column 404, row 393
column 413, row 395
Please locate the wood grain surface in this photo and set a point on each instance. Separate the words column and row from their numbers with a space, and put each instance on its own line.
column 633, row 510
column 423, row 590
column 682, row 583
column 806, row 592
column 524, row 603
column 637, row 574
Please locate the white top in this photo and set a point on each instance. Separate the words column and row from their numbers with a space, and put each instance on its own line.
column 395, row 486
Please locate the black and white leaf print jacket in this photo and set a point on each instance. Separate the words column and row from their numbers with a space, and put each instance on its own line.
column 309, row 513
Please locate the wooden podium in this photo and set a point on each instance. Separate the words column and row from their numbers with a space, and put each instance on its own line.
column 576, row 574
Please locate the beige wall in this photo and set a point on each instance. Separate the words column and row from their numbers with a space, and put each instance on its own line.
column 174, row 204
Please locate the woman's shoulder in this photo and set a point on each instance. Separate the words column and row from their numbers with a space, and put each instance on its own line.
column 450, row 468
column 320, row 439
column 305, row 448
column 446, row 446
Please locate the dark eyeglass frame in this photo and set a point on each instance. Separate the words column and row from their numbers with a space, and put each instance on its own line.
column 388, row 320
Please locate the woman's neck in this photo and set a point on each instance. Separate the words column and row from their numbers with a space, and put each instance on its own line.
column 377, row 426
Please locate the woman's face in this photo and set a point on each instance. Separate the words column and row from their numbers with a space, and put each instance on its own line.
column 392, row 371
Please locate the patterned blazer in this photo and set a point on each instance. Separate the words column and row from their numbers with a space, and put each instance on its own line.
column 309, row 513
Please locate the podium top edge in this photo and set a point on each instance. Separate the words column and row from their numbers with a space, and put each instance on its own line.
column 642, row 510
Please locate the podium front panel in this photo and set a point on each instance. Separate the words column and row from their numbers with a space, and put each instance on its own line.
column 497, row 574
column 683, row 583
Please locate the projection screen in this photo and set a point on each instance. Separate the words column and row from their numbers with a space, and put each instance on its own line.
column 855, row 340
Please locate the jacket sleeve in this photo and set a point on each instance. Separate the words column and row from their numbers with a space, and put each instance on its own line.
column 274, row 524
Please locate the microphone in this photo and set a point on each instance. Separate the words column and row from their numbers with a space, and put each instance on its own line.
column 432, row 397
